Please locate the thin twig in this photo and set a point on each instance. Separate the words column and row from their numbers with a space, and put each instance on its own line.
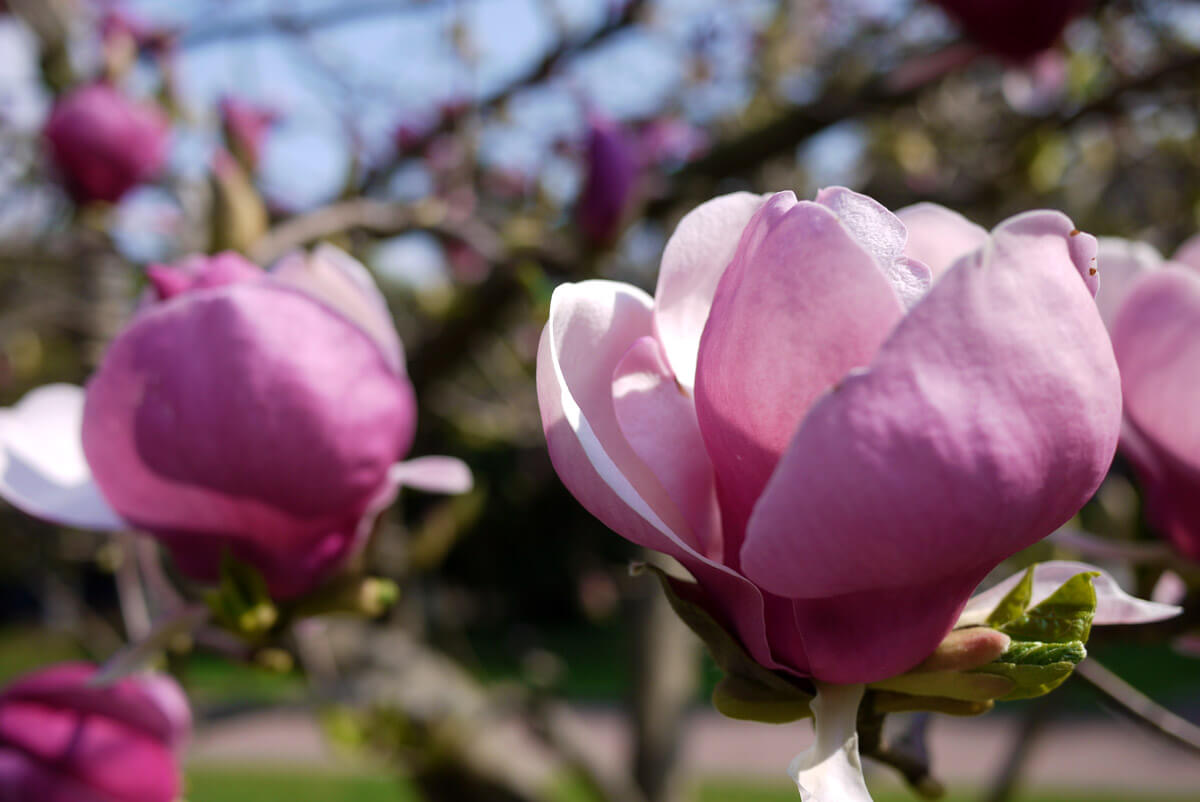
column 1035, row 719
column 383, row 218
column 138, row 654
column 1138, row 707
column 907, row 754
column 131, row 595
column 543, row 69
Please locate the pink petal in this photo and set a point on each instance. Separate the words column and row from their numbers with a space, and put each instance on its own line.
column 938, row 236
column 695, row 257
column 1188, row 253
column 658, row 419
column 152, row 704
column 248, row 418
column 1154, row 337
column 592, row 326
column 882, row 235
column 42, row 468
column 1170, row 589
column 986, row 420
column 102, row 755
column 800, row 305
column 335, row 278
column 1113, row 605
column 1121, row 264
column 114, row 742
column 23, row 777
column 433, row 475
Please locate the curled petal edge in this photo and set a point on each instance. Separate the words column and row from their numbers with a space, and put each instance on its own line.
column 1113, row 605
column 448, row 475
column 43, row 471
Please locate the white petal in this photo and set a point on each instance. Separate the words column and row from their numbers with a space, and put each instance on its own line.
column 42, row 467
column 693, row 261
column 433, row 474
column 1121, row 263
column 1113, row 605
column 883, row 235
column 337, row 279
column 831, row 769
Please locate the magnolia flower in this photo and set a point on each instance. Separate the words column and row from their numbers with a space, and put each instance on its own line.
column 610, row 179
column 105, row 143
column 259, row 413
column 839, row 420
column 1152, row 308
column 63, row 739
column 1013, row 29
column 246, row 127
column 837, row 446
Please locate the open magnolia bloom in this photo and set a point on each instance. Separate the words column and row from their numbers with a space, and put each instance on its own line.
column 838, row 419
column 257, row 413
column 1152, row 308
column 65, row 739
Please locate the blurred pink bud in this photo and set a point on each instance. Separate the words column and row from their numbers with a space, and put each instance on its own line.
column 412, row 132
column 104, row 143
column 466, row 264
column 1037, row 86
column 1013, row 29
column 246, row 126
column 64, row 740
column 610, row 180
column 259, row 413
column 117, row 24
column 1152, row 307
column 671, row 141
column 838, row 419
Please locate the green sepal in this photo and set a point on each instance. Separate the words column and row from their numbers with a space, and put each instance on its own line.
column 1031, row 680
column 241, row 601
column 749, row 700
column 747, row 691
column 1064, row 616
column 1047, row 640
column 1014, row 604
column 1034, row 653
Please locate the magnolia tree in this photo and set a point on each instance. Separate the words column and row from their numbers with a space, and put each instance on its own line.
column 866, row 456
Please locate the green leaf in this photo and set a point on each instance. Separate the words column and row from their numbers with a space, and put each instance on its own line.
column 1064, row 616
column 1032, row 680
column 748, row 690
column 1013, row 605
column 1047, row 640
column 745, row 699
column 1035, row 653
column 960, row 685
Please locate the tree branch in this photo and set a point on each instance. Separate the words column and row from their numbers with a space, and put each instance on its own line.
column 1138, row 707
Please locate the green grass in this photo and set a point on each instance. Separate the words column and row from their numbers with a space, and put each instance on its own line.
column 231, row 785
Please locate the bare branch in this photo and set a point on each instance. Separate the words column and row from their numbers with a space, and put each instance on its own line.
column 382, row 218
column 1140, row 708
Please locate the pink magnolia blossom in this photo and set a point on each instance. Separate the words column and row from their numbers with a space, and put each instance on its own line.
column 610, row 180
column 1014, row 29
column 105, row 143
column 65, row 740
column 836, row 418
column 246, row 127
column 1152, row 308
column 263, row 413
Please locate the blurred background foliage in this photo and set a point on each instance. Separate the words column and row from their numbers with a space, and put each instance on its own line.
column 474, row 154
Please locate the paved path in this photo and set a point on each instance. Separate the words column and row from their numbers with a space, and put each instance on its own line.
column 1097, row 753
